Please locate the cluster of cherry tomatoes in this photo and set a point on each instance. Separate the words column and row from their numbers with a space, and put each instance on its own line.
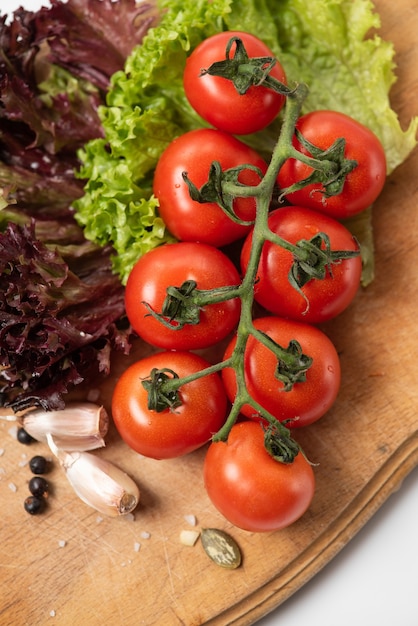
column 251, row 488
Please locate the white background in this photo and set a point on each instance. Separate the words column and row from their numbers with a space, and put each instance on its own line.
column 373, row 581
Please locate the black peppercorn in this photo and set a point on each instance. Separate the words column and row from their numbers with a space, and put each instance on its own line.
column 38, row 486
column 24, row 437
column 38, row 465
column 34, row 505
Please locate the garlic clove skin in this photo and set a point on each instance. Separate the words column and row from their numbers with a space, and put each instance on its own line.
column 101, row 485
column 79, row 426
column 97, row 482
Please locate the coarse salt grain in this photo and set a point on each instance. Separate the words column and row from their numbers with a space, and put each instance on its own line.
column 1, row 451
column 52, row 613
column 191, row 519
column 13, row 432
column 62, row 543
column 145, row 534
column 12, row 487
column 137, row 546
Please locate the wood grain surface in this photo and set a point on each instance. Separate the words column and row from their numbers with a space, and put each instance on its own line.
column 364, row 447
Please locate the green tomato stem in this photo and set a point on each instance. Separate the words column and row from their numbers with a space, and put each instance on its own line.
column 174, row 384
column 329, row 169
column 263, row 194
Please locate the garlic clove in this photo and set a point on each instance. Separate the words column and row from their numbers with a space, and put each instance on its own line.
column 97, row 482
column 79, row 426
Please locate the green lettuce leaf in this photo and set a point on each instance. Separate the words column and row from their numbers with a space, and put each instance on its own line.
column 326, row 45
column 323, row 43
column 146, row 110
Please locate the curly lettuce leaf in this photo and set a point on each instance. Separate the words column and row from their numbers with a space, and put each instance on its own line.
column 327, row 45
column 92, row 38
column 146, row 108
column 322, row 43
column 57, row 327
column 62, row 307
column 55, row 65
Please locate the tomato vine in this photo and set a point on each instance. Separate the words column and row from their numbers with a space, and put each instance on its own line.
column 312, row 259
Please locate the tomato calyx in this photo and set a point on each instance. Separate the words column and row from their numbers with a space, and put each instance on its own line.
column 330, row 167
column 292, row 363
column 244, row 71
column 178, row 307
column 159, row 397
column 313, row 260
column 183, row 305
column 216, row 188
column 279, row 444
column 293, row 368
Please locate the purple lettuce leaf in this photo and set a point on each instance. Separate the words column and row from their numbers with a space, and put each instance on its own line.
column 62, row 309
column 41, row 131
column 55, row 328
column 92, row 38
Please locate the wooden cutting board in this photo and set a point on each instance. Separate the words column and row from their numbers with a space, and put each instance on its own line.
column 74, row 567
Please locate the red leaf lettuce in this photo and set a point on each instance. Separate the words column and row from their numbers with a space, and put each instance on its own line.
column 62, row 310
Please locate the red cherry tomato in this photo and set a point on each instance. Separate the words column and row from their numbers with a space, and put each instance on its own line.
column 307, row 401
column 171, row 432
column 321, row 299
column 250, row 488
column 216, row 99
column 362, row 185
column 193, row 152
column 172, row 265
